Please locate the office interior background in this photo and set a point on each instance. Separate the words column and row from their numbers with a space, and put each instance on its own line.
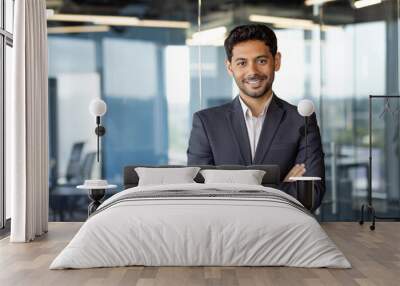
column 155, row 63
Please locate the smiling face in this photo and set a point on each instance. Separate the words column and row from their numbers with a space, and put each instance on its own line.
column 253, row 67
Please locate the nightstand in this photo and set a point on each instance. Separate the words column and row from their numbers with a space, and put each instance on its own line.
column 305, row 190
column 96, row 192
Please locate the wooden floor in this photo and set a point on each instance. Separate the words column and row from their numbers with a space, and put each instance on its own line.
column 374, row 255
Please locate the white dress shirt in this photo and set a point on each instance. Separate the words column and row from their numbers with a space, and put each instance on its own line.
column 254, row 124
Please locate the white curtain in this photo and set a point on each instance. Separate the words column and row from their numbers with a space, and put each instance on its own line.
column 28, row 121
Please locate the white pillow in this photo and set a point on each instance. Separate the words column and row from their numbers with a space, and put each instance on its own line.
column 164, row 176
column 248, row 177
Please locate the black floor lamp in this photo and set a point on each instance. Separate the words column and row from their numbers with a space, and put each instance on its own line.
column 97, row 187
column 369, row 208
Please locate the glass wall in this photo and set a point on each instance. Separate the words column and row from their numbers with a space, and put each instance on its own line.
column 154, row 76
column 360, row 59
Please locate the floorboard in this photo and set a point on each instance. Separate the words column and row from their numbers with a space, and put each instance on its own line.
column 374, row 255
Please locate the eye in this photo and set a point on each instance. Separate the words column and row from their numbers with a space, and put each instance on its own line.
column 241, row 63
column 262, row 61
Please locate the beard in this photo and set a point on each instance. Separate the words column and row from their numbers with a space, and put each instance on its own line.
column 266, row 86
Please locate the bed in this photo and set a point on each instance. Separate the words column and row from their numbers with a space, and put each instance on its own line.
column 198, row 224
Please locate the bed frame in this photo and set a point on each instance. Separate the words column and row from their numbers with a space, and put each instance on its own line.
column 270, row 179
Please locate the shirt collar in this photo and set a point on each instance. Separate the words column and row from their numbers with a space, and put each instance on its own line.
column 247, row 111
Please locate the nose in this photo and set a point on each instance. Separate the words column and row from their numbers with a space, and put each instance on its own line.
column 252, row 68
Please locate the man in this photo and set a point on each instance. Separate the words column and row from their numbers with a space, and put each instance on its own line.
column 257, row 127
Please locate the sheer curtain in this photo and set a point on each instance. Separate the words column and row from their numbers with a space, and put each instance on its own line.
column 28, row 120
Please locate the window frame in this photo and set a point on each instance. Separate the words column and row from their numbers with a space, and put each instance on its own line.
column 6, row 39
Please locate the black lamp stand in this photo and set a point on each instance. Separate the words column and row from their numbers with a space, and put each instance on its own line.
column 100, row 131
column 305, row 134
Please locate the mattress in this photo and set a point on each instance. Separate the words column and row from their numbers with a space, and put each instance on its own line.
column 201, row 225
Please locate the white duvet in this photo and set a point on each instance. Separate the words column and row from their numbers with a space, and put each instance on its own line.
column 200, row 231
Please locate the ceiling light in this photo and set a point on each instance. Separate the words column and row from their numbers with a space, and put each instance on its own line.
column 364, row 3
column 316, row 2
column 279, row 20
column 289, row 23
column 164, row 24
column 105, row 20
column 209, row 37
column 119, row 21
column 77, row 29
column 210, row 33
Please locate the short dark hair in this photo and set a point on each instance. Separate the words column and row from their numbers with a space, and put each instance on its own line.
column 251, row 32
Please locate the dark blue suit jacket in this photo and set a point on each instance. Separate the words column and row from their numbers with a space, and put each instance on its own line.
column 219, row 137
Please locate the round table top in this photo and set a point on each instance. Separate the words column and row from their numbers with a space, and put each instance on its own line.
column 305, row 178
column 86, row 187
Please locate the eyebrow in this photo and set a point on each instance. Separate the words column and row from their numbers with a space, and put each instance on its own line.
column 240, row 59
column 258, row 57
column 262, row 56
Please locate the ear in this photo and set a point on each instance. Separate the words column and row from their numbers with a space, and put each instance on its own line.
column 228, row 66
column 277, row 60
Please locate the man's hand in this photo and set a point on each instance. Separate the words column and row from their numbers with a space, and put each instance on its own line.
column 297, row 171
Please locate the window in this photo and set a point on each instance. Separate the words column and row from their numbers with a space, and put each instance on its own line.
column 9, row 19
column 6, row 42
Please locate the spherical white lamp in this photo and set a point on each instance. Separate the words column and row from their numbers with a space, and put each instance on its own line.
column 97, row 107
column 305, row 107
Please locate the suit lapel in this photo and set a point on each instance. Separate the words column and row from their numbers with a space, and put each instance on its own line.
column 238, row 125
column 271, row 123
